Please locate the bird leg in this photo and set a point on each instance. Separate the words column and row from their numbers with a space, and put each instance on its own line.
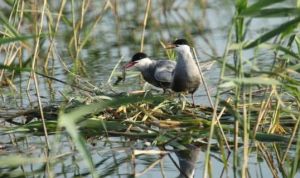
column 179, row 97
column 193, row 100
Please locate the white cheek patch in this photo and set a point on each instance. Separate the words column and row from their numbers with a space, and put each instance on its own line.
column 143, row 62
column 182, row 48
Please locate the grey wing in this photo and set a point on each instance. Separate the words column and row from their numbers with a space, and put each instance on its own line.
column 164, row 70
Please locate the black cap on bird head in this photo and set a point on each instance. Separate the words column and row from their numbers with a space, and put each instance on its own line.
column 135, row 58
column 138, row 56
column 176, row 43
column 180, row 42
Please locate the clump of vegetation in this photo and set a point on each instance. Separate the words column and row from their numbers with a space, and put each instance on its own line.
column 254, row 110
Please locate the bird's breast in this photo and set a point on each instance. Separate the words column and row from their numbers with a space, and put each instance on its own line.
column 186, row 77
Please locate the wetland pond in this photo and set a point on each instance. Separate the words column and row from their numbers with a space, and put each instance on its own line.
column 69, row 109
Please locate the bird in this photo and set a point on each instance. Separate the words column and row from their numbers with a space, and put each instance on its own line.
column 156, row 72
column 186, row 75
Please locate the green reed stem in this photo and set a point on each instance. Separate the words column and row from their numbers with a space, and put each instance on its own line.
column 217, row 101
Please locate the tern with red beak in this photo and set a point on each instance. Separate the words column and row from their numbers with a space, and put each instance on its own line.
column 156, row 72
column 186, row 76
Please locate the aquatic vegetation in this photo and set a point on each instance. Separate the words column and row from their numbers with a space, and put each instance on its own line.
column 68, row 109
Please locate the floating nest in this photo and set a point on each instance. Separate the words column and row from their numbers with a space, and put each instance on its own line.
column 165, row 119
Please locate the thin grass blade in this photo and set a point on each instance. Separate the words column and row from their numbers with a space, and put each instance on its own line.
column 259, row 5
column 14, row 39
column 277, row 31
column 274, row 12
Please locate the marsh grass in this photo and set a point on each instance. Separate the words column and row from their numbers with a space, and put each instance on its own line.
column 244, row 85
column 262, row 105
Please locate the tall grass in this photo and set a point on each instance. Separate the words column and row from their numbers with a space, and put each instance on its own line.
column 244, row 83
column 263, row 101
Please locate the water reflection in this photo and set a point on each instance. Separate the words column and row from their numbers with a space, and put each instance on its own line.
column 118, row 36
column 188, row 160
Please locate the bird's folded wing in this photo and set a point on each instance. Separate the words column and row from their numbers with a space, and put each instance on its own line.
column 163, row 76
column 164, row 71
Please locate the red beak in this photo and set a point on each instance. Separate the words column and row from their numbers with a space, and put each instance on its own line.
column 129, row 64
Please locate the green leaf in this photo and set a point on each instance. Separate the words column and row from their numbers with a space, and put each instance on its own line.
column 13, row 39
column 34, row 127
column 297, row 40
column 15, row 68
column 6, row 23
column 265, row 37
column 78, row 141
column 232, row 110
column 253, row 80
column 70, row 121
column 19, row 160
column 259, row 5
column 264, row 137
column 241, row 5
column 99, row 125
column 283, row 49
column 274, row 12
